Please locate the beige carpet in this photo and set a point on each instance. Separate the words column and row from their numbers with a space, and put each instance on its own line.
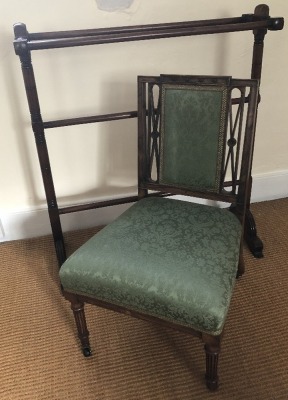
column 132, row 359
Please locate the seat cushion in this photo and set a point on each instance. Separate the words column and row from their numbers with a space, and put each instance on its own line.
column 168, row 258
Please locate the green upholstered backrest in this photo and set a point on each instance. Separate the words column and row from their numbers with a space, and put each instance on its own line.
column 195, row 135
column 192, row 131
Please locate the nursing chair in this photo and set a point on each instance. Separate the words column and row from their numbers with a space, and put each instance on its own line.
column 169, row 258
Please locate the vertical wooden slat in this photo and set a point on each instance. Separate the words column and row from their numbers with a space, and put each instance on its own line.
column 142, row 137
column 21, row 36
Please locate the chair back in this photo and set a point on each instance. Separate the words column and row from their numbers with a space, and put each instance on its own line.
column 193, row 139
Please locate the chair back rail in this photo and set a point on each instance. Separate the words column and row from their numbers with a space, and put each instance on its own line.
column 225, row 138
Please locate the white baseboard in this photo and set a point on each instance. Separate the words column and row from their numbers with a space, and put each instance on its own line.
column 22, row 224
column 270, row 186
column 31, row 223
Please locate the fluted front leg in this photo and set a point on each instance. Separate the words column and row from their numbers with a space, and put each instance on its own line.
column 212, row 350
column 83, row 334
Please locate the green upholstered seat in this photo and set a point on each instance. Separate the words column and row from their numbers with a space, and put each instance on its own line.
column 172, row 259
column 165, row 259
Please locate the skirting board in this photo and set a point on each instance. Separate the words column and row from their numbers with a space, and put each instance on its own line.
column 19, row 224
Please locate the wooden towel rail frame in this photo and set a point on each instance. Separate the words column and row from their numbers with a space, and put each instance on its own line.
column 259, row 23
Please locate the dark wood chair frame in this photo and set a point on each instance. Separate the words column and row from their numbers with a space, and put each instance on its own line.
column 259, row 22
column 234, row 191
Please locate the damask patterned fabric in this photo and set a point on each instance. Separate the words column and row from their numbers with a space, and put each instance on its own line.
column 192, row 135
column 168, row 258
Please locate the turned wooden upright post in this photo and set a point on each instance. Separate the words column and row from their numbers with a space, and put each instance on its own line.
column 22, row 50
column 261, row 12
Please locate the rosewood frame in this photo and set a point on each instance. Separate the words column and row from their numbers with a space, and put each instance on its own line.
column 259, row 22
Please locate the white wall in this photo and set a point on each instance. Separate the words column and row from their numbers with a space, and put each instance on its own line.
column 98, row 161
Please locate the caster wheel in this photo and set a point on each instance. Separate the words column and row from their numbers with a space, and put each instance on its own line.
column 87, row 352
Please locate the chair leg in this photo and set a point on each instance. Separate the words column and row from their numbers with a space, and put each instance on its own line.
column 241, row 265
column 83, row 334
column 212, row 350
